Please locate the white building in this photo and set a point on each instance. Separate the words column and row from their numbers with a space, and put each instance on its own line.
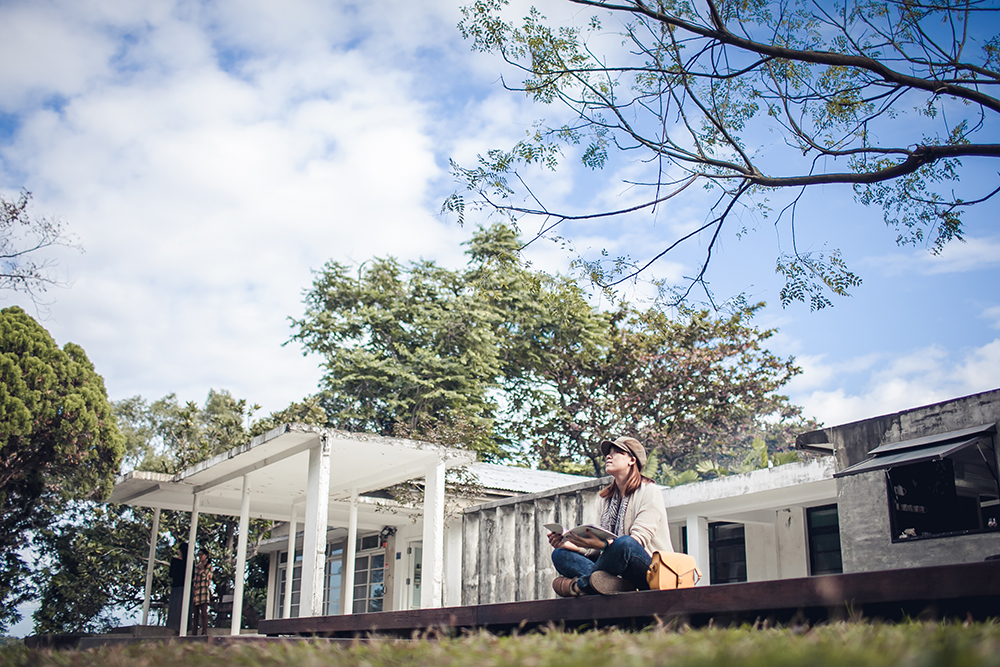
column 355, row 548
column 327, row 488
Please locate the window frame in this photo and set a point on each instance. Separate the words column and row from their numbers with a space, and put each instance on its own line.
column 369, row 555
column 714, row 547
column 897, row 523
column 812, row 533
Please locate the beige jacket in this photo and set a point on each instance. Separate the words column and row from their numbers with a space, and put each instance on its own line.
column 646, row 520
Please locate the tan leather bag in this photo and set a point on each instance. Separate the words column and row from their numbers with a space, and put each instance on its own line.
column 671, row 570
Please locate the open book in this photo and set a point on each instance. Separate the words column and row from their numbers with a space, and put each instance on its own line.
column 582, row 531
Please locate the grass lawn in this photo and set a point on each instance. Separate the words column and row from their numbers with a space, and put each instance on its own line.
column 841, row 645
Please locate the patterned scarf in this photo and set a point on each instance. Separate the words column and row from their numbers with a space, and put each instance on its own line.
column 613, row 517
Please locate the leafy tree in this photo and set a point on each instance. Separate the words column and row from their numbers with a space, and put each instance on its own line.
column 22, row 239
column 689, row 387
column 96, row 555
column 422, row 350
column 308, row 411
column 895, row 100
column 58, row 441
column 759, row 457
column 401, row 344
column 545, row 375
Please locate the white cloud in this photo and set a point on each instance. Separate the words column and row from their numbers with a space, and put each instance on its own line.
column 974, row 254
column 994, row 315
column 818, row 372
column 42, row 55
column 919, row 378
column 204, row 197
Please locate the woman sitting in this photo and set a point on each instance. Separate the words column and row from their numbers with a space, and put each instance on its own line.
column 633, row 510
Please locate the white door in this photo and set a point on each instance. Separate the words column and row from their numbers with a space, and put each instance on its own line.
column 414, row 570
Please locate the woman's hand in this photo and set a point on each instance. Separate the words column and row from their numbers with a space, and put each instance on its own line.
column 562, row 542
column 588, row 541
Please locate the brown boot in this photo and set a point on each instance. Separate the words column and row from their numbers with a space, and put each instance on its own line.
column 566, row 587
column 606, row 583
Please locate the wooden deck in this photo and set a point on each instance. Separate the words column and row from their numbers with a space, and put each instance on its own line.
column 951, row 591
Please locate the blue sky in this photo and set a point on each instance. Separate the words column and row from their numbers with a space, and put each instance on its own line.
column 209, row 155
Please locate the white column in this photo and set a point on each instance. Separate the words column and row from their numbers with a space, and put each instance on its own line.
column 286, row 608
column 154, row 535
column 272, row 587
column 314, row 539
column 433, row 542
column 192, row 554
column 347, row 574
column 697, row 542
column 241, row 559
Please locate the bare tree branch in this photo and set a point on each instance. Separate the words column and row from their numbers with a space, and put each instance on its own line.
column 694, row 84
column 23, row 268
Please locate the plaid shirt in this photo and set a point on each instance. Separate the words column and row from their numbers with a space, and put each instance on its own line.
column 199, row 589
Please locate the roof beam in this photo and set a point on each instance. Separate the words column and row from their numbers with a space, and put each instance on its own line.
column 263, row 463
column 140, row 493
column 385, row 477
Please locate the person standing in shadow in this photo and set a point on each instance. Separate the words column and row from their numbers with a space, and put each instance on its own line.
column 178, row 565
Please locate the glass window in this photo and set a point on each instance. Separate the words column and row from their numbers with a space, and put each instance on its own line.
column 727, row 553
column 296, row 583
column 954, row 495
column 823, row 524
column 416, row 552
column 369, row 577
column 331, row 584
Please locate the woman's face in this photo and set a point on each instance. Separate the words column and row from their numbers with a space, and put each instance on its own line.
column 618, row 460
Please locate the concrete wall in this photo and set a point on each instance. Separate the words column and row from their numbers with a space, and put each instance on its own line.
column 761, row 550
column 791, row 546
column 506, row 556
column 865, row 539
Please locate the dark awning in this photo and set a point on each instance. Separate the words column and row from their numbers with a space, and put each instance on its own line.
column 932, row 447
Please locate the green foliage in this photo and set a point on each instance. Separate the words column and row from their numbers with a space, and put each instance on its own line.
column 688, row 387
column 833, row 645
column 96, row 556
column 165, row 436
column 309, row 411
column 887, row 98
column 501, row 358
column 759, row 457
column 400, row 344
column 419, row 348
column 810, row 276
column 58, row 441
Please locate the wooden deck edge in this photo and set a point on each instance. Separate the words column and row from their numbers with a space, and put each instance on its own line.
column 949, row 589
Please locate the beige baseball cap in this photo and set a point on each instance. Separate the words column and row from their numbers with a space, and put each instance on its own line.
column 630, row 445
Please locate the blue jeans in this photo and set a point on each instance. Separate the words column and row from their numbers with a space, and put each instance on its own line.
column 624, row 558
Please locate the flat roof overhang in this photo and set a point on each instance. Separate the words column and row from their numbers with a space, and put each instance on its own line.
column 277, row 463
